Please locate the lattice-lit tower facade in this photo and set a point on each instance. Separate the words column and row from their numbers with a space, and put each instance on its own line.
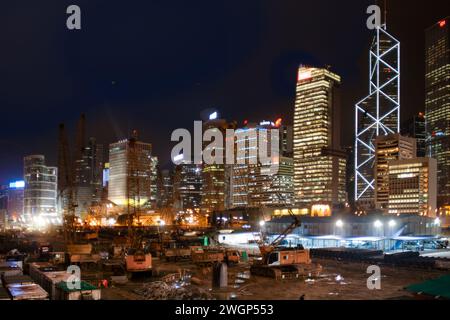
column 378, row 113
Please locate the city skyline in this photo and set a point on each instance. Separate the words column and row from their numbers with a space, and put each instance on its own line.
column 276, row 72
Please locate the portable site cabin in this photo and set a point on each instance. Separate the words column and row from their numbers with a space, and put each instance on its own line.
column 27, row 292
column 86, row 292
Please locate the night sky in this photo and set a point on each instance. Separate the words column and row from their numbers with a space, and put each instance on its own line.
column 156, row 65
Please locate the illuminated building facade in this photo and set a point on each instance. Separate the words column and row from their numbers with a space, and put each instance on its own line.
column 319, row 162
column 254, row 185
column 15, row 194
column 89, row 176
column 130, row 173
column 214, row 175
column 412, row 187
column 378, row 113
column 155, row 191
column 40, row 193
column 388, row 148
column 166, row 196
column 187, row 186
column 437, row 103
column 414, row 127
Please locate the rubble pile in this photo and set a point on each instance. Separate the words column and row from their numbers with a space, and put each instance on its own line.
column 162, row 291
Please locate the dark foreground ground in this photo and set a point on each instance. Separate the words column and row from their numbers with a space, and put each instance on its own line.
column 338, row 281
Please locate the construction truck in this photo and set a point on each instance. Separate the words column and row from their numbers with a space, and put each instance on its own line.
column 207, row 257
column 284, row 263
column 175, row 254
column 137, row 261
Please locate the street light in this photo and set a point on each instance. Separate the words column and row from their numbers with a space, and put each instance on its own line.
column 392, row 223
column 437, row 221
column 378, row 224
column 339, row 223
column 262, row 223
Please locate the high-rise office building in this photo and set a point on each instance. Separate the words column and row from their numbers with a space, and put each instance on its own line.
column 437, row 102
column 254, row 184
column 130, row 162
column 388, row 148
column 378, row 113
column 319, row 162
column 155, row 192
column 40, row 193
column 166, row 196
column 414, row 127
column 214, row 182
column 187, row 186
column 15, row 194
column 275, row 190
column 412, row 187
column 88, row 178
column 286, row 139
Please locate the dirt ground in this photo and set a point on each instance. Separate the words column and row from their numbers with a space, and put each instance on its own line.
column 338, row 281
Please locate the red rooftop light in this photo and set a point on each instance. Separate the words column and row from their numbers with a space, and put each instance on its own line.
column 442, row 23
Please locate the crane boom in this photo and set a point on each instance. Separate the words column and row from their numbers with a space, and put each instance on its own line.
column 265, row 249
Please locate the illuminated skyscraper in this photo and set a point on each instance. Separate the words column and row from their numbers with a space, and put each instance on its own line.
column 214, row 181
column 414, row 127
column 389, row 148
column 378, row 113
column 89, row 176
column 130, row 175
column 319, row 162
column 437, row 103
column 166, row 192
column 253, row 184
column 412, row 187
column 15, row 194
column 155, row 187
column 187, row 186
column 40, row 192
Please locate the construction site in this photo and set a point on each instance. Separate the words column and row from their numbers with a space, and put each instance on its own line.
column 173, row 263
column 130, row 252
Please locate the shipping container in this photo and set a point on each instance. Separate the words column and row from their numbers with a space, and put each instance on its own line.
column 86, row 292
column 27, row 292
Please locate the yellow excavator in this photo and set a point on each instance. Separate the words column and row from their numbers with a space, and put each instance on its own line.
column 284, row 263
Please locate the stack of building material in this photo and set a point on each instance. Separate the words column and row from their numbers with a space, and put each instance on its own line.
column 27, row 292
column 37, row 270
column 86, row 291
column 20, row 279
column 10, row 268
column 10, row 271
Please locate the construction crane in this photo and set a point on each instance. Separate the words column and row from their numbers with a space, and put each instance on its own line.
column 66, row 188
column 266, row 249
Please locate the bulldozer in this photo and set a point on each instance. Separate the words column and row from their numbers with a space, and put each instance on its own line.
column 284, row 263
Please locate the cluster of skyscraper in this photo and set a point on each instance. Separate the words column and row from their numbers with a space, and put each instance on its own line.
column 397, row 169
